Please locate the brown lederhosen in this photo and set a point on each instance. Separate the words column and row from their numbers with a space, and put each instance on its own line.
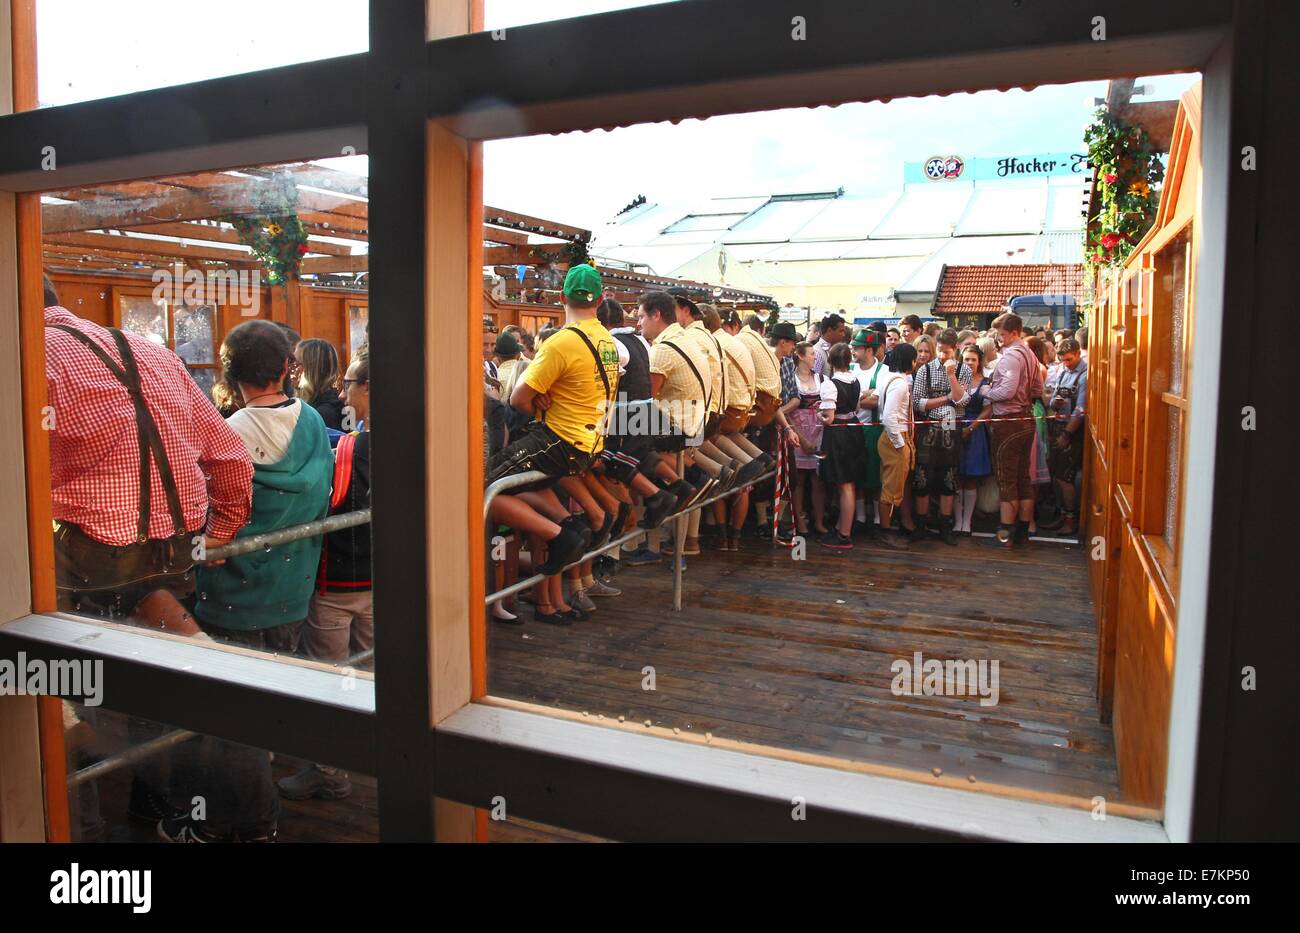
column 765, row 408
column 1013, row 450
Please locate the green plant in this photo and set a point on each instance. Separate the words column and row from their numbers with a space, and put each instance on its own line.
column 278, row 243
column 1129, row 172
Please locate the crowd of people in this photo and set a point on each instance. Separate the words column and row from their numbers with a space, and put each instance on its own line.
column 148, row 476
column 884, row 435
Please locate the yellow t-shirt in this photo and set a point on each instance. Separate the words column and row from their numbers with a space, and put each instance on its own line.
column 565, row 370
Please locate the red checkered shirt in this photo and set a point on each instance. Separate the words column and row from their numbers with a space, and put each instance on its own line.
column 95, row 454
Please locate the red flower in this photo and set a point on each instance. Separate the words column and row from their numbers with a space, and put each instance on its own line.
column 1110, row 178
column 302, row 248
column 1109, row 240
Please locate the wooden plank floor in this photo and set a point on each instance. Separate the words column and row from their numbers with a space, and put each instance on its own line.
column 797, row 655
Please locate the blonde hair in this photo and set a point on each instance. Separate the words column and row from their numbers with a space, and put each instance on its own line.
column 989, row 347
column 929, row 341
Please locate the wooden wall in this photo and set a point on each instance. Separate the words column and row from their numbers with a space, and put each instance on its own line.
column 319, row 312
column 1138, row 336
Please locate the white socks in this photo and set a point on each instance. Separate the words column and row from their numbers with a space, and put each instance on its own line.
column 965, row 507
column 860, row 512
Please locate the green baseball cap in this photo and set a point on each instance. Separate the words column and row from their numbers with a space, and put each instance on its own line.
column 583, row 282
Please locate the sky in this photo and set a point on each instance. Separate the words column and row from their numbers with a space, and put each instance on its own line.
column 578, row 178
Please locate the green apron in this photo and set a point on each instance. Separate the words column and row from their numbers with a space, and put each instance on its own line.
column 872, row 433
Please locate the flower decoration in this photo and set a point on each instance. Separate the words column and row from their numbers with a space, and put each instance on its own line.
column 1128, row 169
column 278, row 243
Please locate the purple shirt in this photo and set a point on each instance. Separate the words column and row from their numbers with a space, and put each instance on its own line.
column 1016, row 381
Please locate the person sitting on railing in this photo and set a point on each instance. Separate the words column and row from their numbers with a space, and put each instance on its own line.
column 260, row 599
column 677, row 381
column 569, row 388
column 629, row 441
column 341, row 616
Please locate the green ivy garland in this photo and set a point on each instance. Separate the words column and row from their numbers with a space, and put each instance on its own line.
column 278, row 242
column 1128, row 174
column 574, row 253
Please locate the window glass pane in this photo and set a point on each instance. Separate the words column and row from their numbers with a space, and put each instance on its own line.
column 253, row 289
column 1173, row 476
column 133, row 780
column 205, row 378
column 1175, row 256
column 87, row 50
column 499, row 14
column 146, row 317
column 193, row 333
column 843, row 641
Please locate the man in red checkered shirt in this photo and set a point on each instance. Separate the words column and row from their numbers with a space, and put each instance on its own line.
column 117, row 539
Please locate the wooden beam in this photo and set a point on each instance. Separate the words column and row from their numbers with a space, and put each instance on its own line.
column 160, row 204
column 191, row 231
column 130, row 244
column 509, row 237
column 335, row 264
column 495, row 216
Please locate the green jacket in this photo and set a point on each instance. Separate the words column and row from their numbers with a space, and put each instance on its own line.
column 272, row 586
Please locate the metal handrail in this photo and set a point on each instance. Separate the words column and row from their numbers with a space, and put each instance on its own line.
column 284, row 535
column 509, row 482
column 129, row 756
column 676, row 517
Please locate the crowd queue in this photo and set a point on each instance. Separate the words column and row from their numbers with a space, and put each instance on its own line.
column 884, row 435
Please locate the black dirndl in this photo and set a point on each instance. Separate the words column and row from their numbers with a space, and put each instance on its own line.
column 843, row 445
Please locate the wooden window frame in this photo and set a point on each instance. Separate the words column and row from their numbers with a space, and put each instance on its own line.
column 442, row 743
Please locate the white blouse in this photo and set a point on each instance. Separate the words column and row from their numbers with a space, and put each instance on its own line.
column 895, row 409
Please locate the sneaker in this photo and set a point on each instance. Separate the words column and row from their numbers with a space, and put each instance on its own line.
column 835, row 541
column 148, row 806
column 642, row 556
column 690, row 548
column 579, row 600
column 750, row 471
column 898, row 542
column 657, row 508
column 598, row 589
column 562, row 550
column 186, row 830
column 313, row 782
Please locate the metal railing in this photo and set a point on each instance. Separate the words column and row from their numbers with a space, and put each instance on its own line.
column 678, row 520
column 129, row 756
column 289, row 533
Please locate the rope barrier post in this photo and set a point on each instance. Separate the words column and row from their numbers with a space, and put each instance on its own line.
column 679, row 537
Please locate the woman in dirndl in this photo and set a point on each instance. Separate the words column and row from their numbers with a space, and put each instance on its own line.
column 844, row 462
column 808, row 426
column 976, row 463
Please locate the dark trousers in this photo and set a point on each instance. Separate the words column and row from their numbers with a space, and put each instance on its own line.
column 236, row 785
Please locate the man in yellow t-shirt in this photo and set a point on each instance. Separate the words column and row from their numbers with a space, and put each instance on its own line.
column 568, row 388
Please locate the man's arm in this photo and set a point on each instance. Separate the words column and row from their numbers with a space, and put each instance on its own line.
column 1080, row 405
